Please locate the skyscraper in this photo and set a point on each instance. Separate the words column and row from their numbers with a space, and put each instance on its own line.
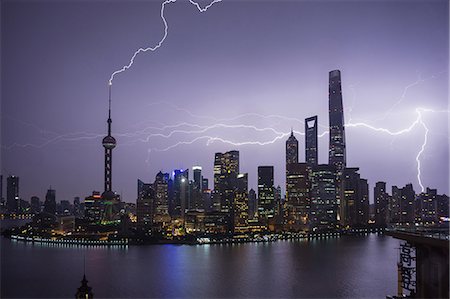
column 266, row 194
column 180, row 192
column 311, row 145
column 252, row 205
column 226, row 169
column 298, row 201
column 50, row 202
column 240, row 203
column 291, row 149
column 161, row 203
column 324, row 205
column 196, row 193
column 381, row 199
column 35, row 205
column 197, row 170
column 12, row 194
column 144, row 206
column 337, row 155
column 109, row 143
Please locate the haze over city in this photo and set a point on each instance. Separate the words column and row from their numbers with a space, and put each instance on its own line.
column 236, row 77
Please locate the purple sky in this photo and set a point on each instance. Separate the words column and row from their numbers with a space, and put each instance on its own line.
column 258, row 67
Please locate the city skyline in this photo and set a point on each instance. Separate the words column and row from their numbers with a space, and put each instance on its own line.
column 132, row 160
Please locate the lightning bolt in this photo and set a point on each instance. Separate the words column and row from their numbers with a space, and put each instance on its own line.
column 161, row 41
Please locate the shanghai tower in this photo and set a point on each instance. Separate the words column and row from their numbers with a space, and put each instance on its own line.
column 337, row 156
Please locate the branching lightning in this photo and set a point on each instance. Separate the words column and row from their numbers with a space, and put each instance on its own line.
column 159, row 44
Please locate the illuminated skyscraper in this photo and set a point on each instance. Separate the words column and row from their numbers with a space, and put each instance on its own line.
column 180, row 192
column 337, row 156
column 226, row 169
column 161, row 204
column 240, row 203
column 298, row 201
column 291, row 149
column 381, row 199
column 324, row 205
column 266, row 194
column 145, row 206
column 311, row 145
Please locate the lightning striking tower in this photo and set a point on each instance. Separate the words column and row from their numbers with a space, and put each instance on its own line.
column 109, row 143
column 337, row 156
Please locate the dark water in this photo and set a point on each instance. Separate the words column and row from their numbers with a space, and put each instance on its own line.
column 345, row 267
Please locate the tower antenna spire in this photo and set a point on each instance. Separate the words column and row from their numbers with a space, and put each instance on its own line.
column 109, row 110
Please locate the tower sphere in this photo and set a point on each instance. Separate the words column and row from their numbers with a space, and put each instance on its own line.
column 109, row 142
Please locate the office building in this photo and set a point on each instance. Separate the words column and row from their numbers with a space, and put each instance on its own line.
column 226, row 169
column 266, row 194
column 298, row 202
column 35, row 205
column 311, row 141
column 240, row 204
column 381, row 200
column 252, row 205
column 291, row 149
column 337, row 152
column 144, row 206
column 12, row 194
column 50, row 202
column 324, row 205
column 161, row 215
column 93, row 208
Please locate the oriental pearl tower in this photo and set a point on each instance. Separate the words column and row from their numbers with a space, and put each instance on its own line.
column 109, row 143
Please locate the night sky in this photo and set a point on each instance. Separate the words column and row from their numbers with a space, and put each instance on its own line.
column 236, row 77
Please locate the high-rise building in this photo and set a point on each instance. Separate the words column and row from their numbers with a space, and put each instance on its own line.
column 426, row 207
column 35, row 205
column 93, row 207
column 324, row 206
column 297, row 192
column 402, row 205
column 381, row 199
column 144, row 206
column 205, row 184
column 197, row 170
column 240, row 204
column 311, row 143
column 337, row 155
column 50, row 202
column 291, row 149
column 180, row 192
column 266, row 194
column 252, row 205
column 394, row 205
column 196, row 192
column 161, row 202
column 77, row 208
column 12, row 194
column 362, row 217
column 226, row 169
column 407, row 204
column 337, row 152
column 298, row 202
column 442, row 206
column 355, row 202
